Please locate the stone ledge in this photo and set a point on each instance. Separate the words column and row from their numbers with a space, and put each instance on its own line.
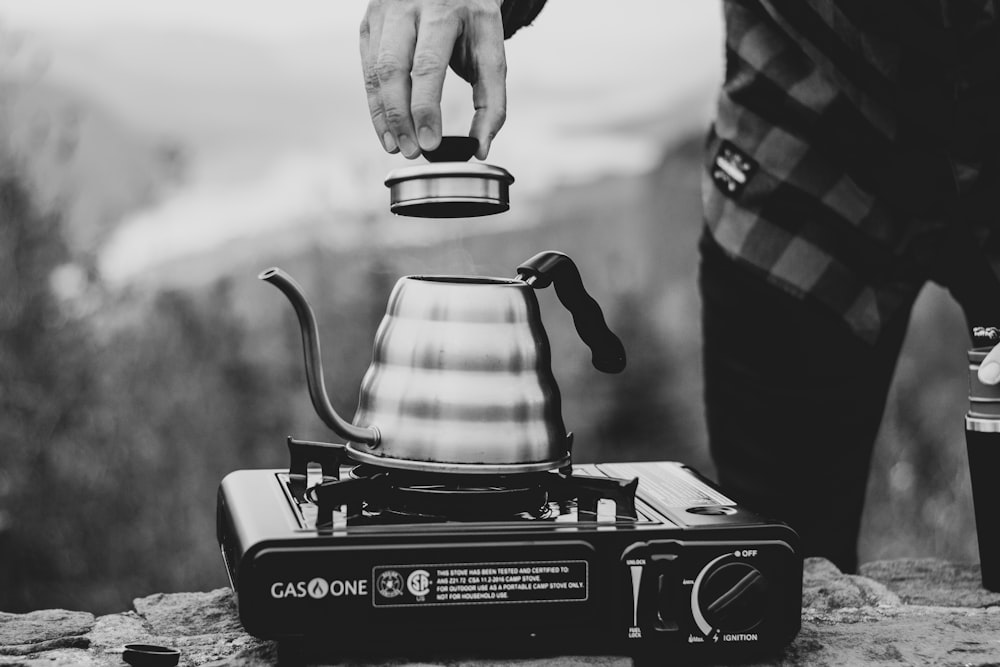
column 899, row 612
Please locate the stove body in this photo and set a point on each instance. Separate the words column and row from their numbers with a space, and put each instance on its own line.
column 678, row 570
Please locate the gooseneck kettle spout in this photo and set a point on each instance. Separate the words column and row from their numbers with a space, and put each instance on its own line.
column 314, row 364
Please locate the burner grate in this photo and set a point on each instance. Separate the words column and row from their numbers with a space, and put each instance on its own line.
column 406, row 495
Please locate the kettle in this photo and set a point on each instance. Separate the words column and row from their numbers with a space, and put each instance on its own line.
column 461, row 378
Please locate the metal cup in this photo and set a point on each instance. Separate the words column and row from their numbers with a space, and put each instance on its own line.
column 982, row 437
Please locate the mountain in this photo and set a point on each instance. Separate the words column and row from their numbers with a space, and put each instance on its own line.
column 83, row 160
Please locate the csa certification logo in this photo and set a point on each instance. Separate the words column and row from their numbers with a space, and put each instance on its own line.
column 419, row 583
column 390, row 584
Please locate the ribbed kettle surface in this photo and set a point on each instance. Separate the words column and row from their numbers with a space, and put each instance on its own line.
column 461, row 374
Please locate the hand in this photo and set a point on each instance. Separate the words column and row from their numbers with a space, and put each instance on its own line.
column 406, row 46
column 989, row 369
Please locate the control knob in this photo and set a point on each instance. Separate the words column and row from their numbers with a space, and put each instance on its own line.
column 732, row 597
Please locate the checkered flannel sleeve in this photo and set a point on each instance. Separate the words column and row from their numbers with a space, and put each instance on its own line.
column 813, row 178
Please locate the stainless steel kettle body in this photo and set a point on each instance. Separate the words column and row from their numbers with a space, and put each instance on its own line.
column 461, row 378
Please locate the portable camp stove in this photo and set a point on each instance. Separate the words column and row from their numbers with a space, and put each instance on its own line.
column 640, row 558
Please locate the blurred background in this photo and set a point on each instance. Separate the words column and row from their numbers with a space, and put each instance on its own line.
column 154, row 157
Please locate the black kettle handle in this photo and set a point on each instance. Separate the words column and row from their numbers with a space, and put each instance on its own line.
column 551, row 267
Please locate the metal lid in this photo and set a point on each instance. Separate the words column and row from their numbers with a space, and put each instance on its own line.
column 449, row 189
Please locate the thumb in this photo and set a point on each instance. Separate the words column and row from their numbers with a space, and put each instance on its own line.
column 989, row 370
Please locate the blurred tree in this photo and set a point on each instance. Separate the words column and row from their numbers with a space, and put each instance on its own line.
column 45, row 387
column 189, row 405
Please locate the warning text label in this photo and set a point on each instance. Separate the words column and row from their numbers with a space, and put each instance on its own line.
column 480, row 583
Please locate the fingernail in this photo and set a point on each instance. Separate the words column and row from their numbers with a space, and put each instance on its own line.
column 990, row 373
column 406, row 144
column 484, row 148
column 427, row 138
column 389, row 142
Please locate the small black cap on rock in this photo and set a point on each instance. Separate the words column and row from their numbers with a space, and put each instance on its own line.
column 148, row 655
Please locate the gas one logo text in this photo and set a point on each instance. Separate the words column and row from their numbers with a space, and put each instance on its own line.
column 319, row 588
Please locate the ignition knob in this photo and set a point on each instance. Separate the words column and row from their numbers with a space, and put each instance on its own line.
column 733, row 597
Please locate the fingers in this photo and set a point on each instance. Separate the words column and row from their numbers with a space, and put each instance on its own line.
column 371, row 32
column 436, row 37
column 392, row 70
column 406, row 47
column 489, row 88
column 989, row 369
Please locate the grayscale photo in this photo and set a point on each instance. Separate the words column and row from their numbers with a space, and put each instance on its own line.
column 499, row 332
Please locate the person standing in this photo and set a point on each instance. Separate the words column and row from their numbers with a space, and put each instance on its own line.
column 852, row 159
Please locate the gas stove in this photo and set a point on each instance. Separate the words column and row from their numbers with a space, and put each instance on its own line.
column 639, row 558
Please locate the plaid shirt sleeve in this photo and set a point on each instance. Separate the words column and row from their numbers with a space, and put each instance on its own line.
column 831, row 168
column 519, row 13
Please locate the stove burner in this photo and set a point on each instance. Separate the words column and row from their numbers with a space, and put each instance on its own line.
column 455, row 496
column 406, row 495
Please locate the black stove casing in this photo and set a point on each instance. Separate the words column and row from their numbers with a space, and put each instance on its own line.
column 695, row 579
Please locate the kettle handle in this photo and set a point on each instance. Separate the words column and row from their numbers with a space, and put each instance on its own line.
column 551, row 267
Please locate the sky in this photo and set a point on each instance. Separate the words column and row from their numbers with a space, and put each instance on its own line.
column 267, row 98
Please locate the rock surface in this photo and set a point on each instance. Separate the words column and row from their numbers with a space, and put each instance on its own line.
column 901, row 612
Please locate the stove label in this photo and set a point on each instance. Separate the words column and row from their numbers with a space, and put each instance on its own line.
column 480, row 583
column 319, row 588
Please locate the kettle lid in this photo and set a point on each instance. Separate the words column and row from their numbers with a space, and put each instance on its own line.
column 450, row 187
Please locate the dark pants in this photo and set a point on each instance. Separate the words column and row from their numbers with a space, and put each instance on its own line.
column 794, row 400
